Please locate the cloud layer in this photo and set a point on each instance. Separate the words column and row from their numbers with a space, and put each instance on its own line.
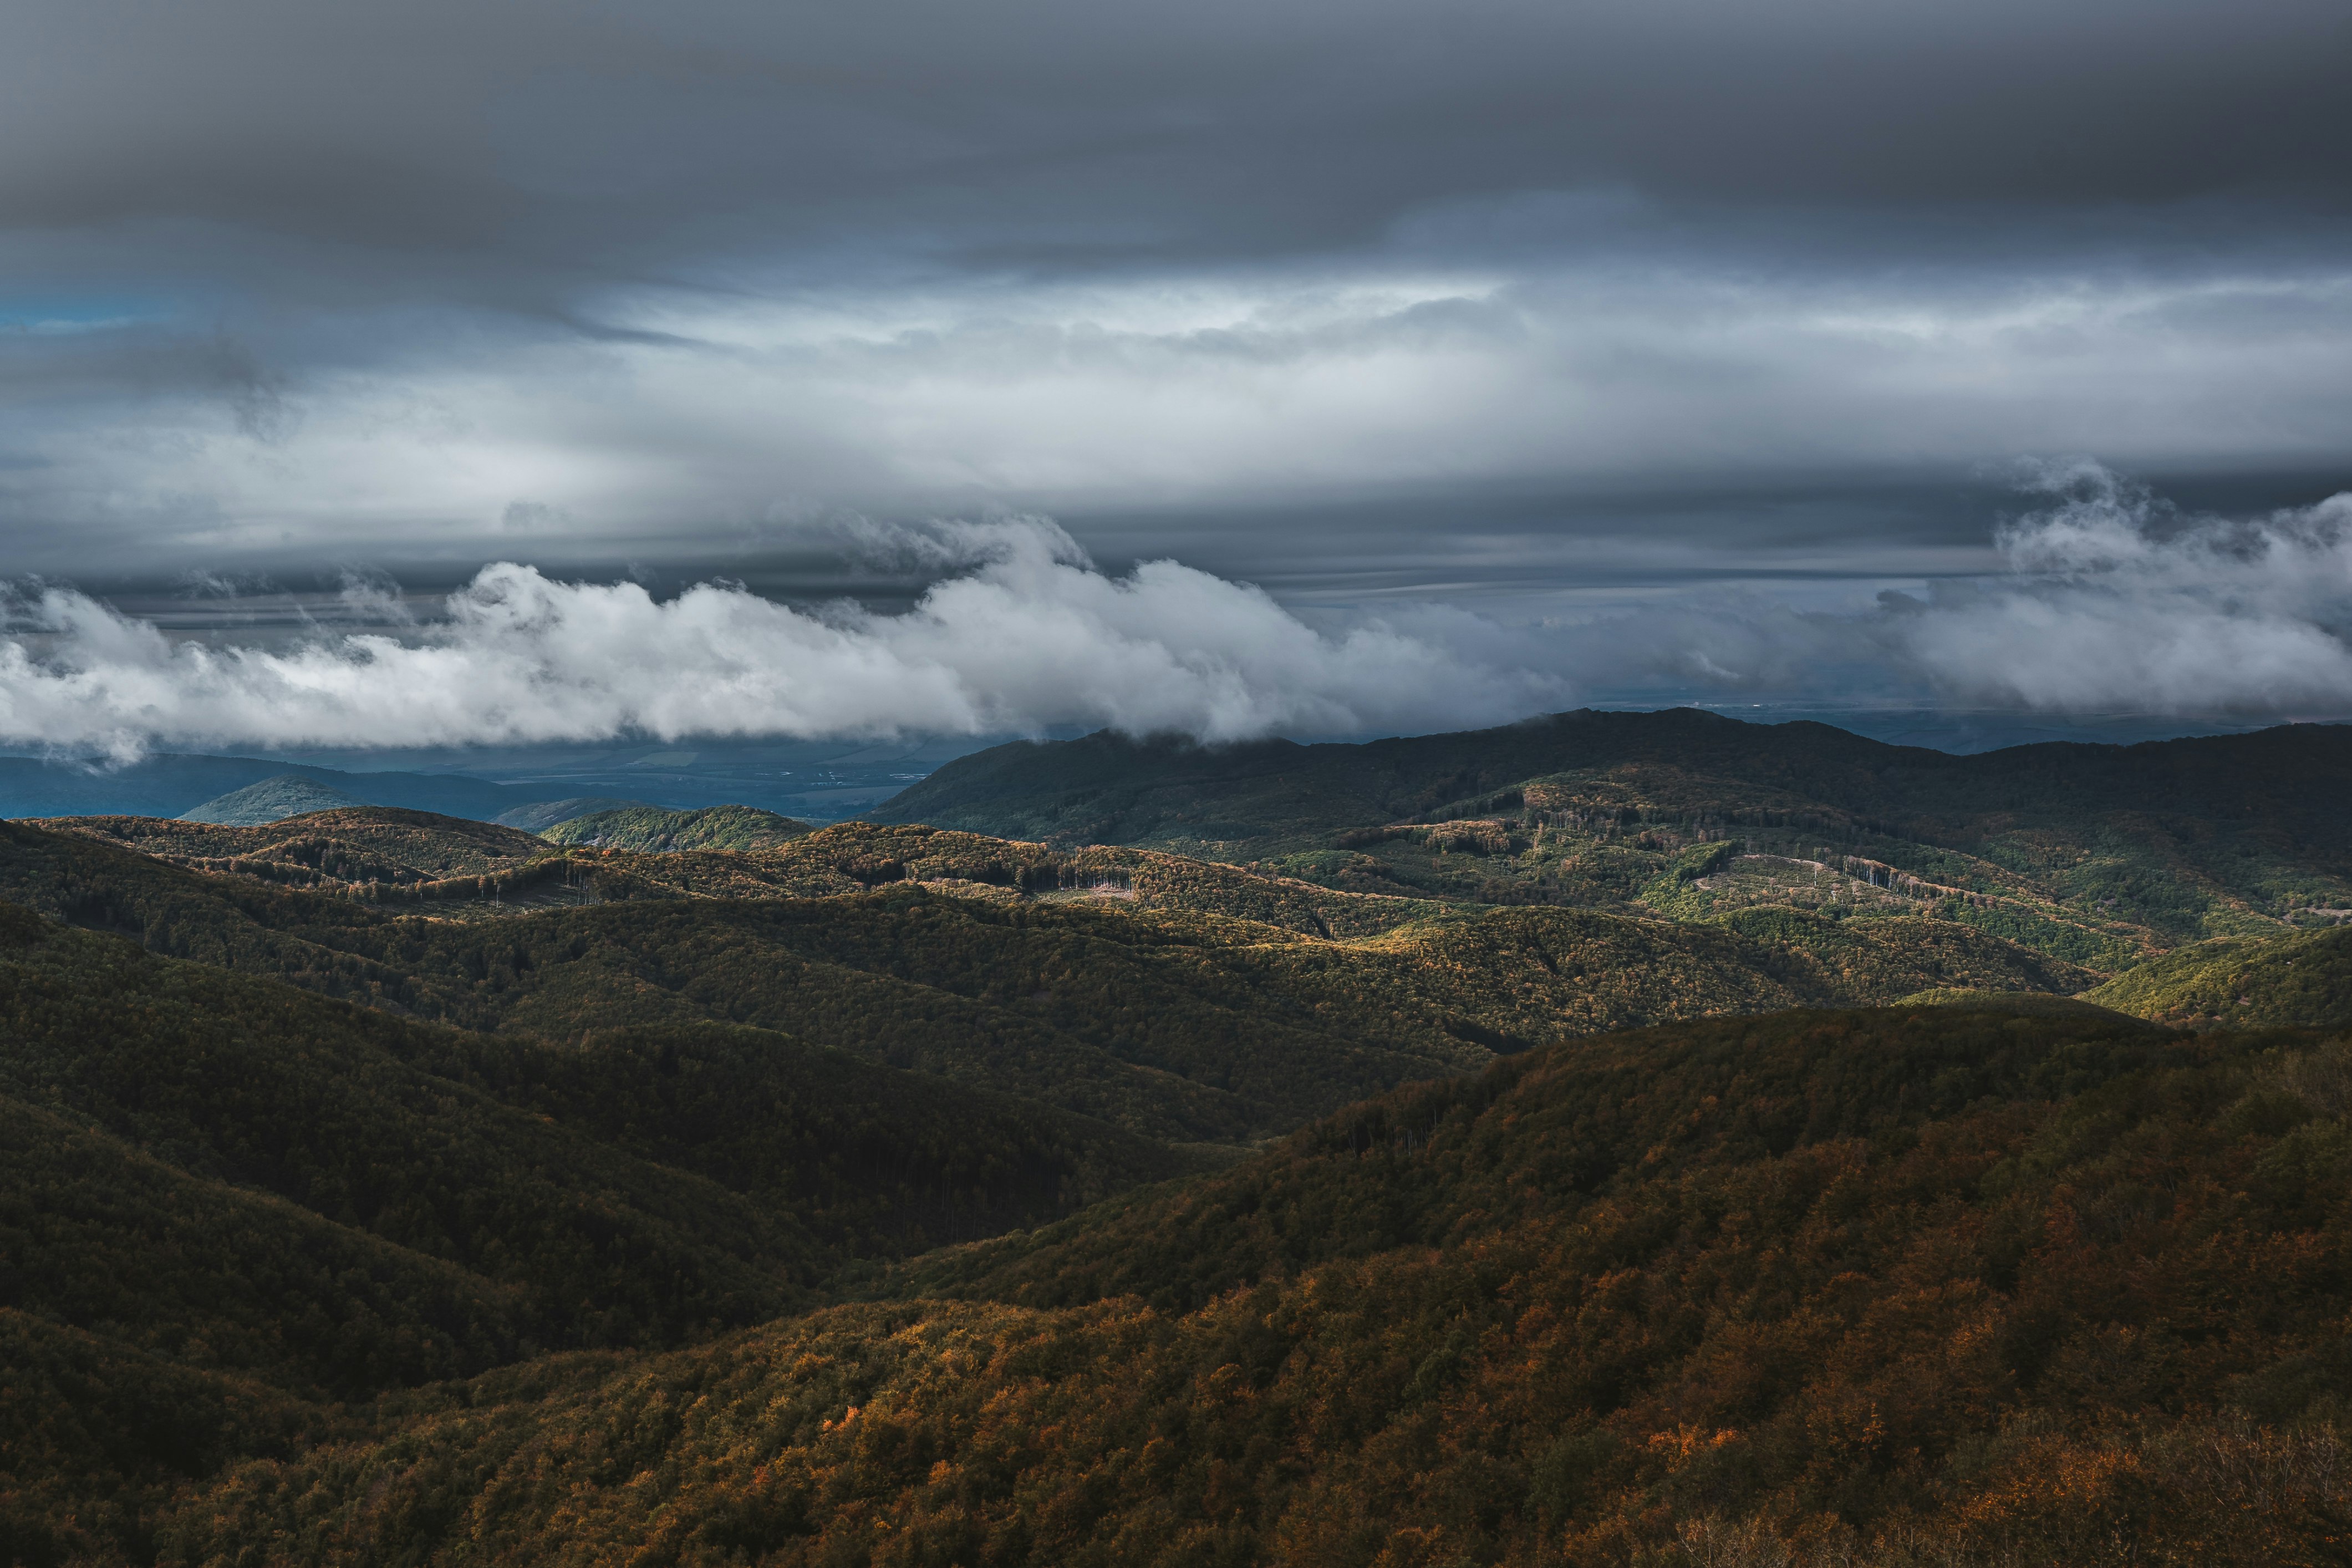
column 1028, row 636
column 2117, row 602
column 2111, row 601
column 284, row 286
column 703, row 438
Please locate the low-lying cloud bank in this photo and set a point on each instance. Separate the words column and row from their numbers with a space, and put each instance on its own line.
column 2111, row 602
column 2118, row 602
column 1027, row 635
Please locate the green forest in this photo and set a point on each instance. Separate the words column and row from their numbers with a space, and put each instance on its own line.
column 1560, row 1155
column 652, row 828
column 2095, row 853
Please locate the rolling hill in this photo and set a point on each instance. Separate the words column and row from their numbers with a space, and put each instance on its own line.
column 650, row 828
column 230, row 1208
column 1172, row 1019
column 1882, row 1289
column 167, row 786
column 2302, row 980
column 541, row 815
column 2099, row 854
column 1494, row 1149
column 272, row 800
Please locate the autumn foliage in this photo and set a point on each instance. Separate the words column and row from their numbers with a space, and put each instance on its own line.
column 1918, row 1286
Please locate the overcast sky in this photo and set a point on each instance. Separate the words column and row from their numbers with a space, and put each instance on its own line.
column 1997, row 353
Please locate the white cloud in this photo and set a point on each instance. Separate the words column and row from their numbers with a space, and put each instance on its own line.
column 2116, row 602
column 669, row 436
column 1029, row 636
column 2111, row 602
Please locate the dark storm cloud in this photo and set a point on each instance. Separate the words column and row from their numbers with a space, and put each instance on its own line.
column 1561, row 313
column 1052, row 132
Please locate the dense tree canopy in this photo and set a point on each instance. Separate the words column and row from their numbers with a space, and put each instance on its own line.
column 1931, row 1286
column 1600, row 1145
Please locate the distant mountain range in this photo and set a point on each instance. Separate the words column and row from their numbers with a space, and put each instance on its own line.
column 805, row 780
column 1271, row 795
column 272, row 800
column 169, row 785
column 2093, row 853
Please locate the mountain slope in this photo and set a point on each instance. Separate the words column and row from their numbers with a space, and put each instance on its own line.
column 653, row 829
column 103, row 1239
column 290, row 794
column 634, row 1188
column 321, row 1104
column 99, row 1439
column 1169, row 1022
column 1896, row 1288
column 167, row 786
column 2098, row 854
column 543, row 815
column 2296, row 980
column 1547, row 1133
column 225, row 1203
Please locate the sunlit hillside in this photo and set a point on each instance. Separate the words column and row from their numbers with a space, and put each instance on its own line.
column 2098, row 855
column 1161, row 1012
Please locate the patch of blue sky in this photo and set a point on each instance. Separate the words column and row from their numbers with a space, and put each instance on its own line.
column 66, row 315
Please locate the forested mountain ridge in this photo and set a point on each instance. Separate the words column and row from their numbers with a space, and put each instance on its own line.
column 165, row 785
column 1136, row 788
column 541, row 815
column 2306, row 979
column 856, row 856
column 530, row 1255
column 650, row 827
column 415, row 861
column 1048, row 1000
column 227, row 1205
column 1174, row 1022
column 346, row 849
column 751, row 1157
column 1922, row 1286
column 378, row 1187
column 2095, row 853
column 270, row 801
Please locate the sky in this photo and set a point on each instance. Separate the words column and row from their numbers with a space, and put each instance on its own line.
column 512, row 373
